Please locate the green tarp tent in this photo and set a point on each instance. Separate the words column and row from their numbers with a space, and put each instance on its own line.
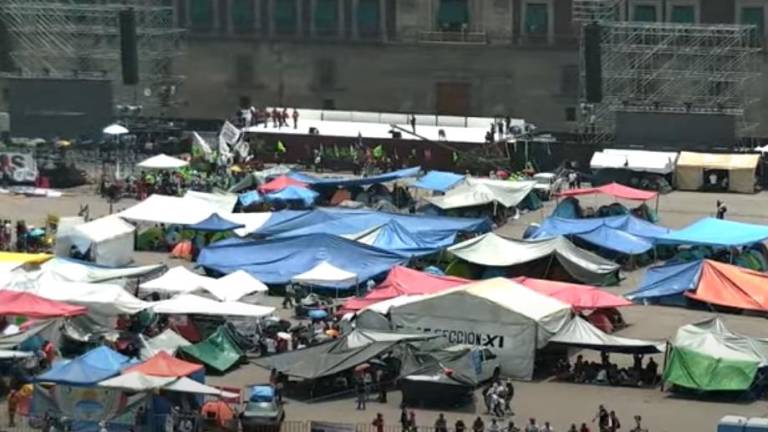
column 709, row 357
column 219, row 351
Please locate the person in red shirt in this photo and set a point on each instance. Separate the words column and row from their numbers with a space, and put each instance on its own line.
column 378, row 422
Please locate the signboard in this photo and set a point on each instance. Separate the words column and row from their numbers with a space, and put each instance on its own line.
column 18, row 167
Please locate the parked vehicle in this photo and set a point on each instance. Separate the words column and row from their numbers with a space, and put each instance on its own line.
column 262, row 412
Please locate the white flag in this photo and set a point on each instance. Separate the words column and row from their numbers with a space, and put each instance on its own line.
column 200, row 146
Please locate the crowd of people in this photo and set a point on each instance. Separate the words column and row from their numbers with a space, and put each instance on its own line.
column 606, row 372
column 603, row 421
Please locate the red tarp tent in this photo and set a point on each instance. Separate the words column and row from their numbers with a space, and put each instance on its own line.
column 34, row 306
column 580, row 297
column 279, row 184
column 615, row 190
column 165, row 365
column 732, row 286
column 404, row 281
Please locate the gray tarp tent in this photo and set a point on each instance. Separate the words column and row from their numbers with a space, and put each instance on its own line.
column 580, row 333
column 493, row 250
column 336, row 356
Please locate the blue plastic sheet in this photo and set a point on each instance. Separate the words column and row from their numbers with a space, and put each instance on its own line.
column 394, row 237
column 250, row 197
column 215, row 223
column 277, row 261
column 667, row 283
column 327, row 182
column 717, row 232
column 301, row 195
column 77, row 373
column 440, row 181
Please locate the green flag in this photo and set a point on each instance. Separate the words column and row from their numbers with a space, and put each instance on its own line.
column 378, row 152
column 455, row 157
column 280, row 148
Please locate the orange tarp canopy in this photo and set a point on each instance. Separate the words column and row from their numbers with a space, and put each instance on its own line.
column 165, row 365
column 732, row 286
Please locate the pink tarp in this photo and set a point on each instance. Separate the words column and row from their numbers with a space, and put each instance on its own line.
column 580, row 297
column 165, row 365
column 33, row 306
column 279, row 184
column 615, row 190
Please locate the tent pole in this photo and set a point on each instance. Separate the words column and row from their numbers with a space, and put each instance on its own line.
column 549, row 264
column 657, row 205
column 666, row 355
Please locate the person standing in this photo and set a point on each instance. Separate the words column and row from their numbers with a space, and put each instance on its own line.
column 275, row 117
column 532, row 426
column 284, row 118
column 413, row 122
column 614, row 423
column 412, row 421
column 603, row 419
column 721, row 209
column 478, row 425
column 459, row 426
column 360, row 391
column 378, row 423
column 13, row 403
column 441, row 425
column 403, row 419
column 547, row 428
column 295, row 116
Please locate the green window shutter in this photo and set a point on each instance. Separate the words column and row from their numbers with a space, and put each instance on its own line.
column 368, row 16
column 453, row 14
column 326, row 16
column 243, row 15
column 285, row 16
column 536, row 19
column 201, row 14
column 754, row 16
column 683, row 14
column 645, row 13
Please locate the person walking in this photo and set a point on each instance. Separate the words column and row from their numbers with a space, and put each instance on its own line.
column 614, row 423
column 360, row 391
column 603, row 419
column 532, row 426
column 478, row 425
column 295, row 116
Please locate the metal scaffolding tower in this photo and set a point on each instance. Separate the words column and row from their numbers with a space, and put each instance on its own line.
column 81, row 38
column 666, row 67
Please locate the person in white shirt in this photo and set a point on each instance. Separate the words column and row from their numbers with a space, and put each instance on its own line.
column 493, row 427
column 547, row 428
column 532, row 426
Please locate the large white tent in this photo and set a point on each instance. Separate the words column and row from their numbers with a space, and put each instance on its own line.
column 234, row 286
column 109, row 240
column 162, row 162
column 168, row 210
column 507, row 317
column 197, row 305
column 326, row 274
column 476, row 192
column 176, row 280
column 635, row 160
column 223, row 203
column 139, row 382
column 76, row 271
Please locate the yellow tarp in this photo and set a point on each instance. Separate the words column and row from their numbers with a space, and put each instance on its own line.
column 24, row 258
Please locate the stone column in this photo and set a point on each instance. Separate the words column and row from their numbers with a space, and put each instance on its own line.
column 355, row 32
column 312, row 13
column 299, row 18
column 187, row 14
column 383, row 20
column 257, row 15
column 341, row 16
column 216, row 15
column 271, row 18
column 230, row 23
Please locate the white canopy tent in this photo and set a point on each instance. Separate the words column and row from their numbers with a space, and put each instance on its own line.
column 234, row 286
column 476, row 192
column 139, row 382
column 326, row 274
column 223, row 203
column 176, row 280
column 168, row 210
column 74, row 271
column 582, row 334
column 109, row 240
column 115, row 129
column 635, row 160
column 498, row 313
column 162, row 162
column 197, row 305
column 168, row 341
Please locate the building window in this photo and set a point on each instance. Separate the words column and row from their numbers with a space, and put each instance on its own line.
column 201, row 14
column 243, row 70
column 326, row 17
column 285, row 16
column 644, row 13
column 453, row 15
column 753, row 15
column 537, row 19
column 243, row 16
column 368, row 18
column 684, row 14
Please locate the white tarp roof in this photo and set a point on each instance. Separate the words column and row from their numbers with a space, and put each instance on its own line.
column 104, row 228
column 234, row 286
column 251, row 221
column 100, row 299
column 168, row 341
column 475, row 192
column 138, row 382
column 72, row 271
column 176, row 280
column 222, row 202
column 635, row 160
column 194, row 304
column 169, row 210
column 495, row 251
column 712, row 338
column 162, row 161
column 581, row 333
column 326, row 274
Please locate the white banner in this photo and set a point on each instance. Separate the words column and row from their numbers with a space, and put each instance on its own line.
column 229, row 134
column 200, row 145
column 18, row 167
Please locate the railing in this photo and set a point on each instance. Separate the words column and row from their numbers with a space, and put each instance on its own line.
column 453, row 37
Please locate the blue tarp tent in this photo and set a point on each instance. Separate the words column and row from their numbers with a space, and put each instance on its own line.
column 325, row 182
column 717, row 232
column 293, row 194
column 394, row 237
column 626, row 233
column 250, row 197
column 667, row 283
column 106, row 358
column 346, row 222
column 440, row 181
column 277, row 261
column 215, row 223
column 77, row 372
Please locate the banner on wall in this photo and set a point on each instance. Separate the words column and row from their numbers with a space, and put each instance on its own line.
column 18, row 167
